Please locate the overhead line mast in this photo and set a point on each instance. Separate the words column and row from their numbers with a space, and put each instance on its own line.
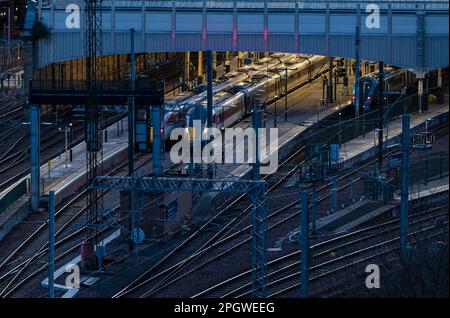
column 93, row 130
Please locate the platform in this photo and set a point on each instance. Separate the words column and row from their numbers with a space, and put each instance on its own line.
column 363, row 147
column 434, row 193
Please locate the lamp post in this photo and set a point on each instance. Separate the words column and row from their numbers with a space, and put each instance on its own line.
column 375, row 134
column 341, row 92
column 285, row 93
column 426, row 149
column 67, row 129
column 285, row 69
column 71, row 141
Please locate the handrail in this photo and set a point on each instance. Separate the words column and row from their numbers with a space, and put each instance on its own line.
column 313, row 4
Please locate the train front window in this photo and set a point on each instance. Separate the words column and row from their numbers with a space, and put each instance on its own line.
column 364, row 89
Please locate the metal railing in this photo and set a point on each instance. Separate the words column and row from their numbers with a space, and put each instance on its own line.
column 11, row 57
column 14, row 219
column 355, row 127
column 144, row 87
column 276, row 4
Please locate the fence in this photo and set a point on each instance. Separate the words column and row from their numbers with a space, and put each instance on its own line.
column 424, row 170
column 14, row 219
column 15, row 193
column 11, row 57
column 352, row 128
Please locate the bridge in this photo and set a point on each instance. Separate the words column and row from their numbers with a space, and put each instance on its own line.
column 408, row 33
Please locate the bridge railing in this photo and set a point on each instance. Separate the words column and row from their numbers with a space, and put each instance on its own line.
column 142, row 87
column 283, row 4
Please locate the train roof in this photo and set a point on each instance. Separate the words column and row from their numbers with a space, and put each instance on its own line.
column 249, row 78
column 387, row 74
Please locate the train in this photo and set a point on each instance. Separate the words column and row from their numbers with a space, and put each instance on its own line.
column 395, row 87
column 179, row 111
column 236, row 102
column 233, row 94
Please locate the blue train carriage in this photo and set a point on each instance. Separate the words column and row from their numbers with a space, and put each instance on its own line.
column 395, row 88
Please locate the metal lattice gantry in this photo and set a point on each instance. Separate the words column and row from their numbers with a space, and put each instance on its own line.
column 93, row 132
column 256, row 189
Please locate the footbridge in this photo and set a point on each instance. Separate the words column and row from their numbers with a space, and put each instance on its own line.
column 406, row 33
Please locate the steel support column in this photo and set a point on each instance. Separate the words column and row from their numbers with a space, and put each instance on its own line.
column 214, row 64
column 187, row 68
column 304, row 243
column 257, row 122
column 330, row 82
column 156, row 156
column 420, row 92
column 285, row 94
column 240, row 59
column 439, row 77
column 356, row 99
column 51, row 245
column 131, row 108
column 200, row 68
column 259, row 241
column 380, row 113
column 35, row 155
column 404, row 186
column 209, row 90
column 314, row 209
column 209, row 93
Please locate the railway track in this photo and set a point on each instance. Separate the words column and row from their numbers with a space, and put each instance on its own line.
column 16, row 157
column 69, row 214
column 18, row 269
column 72, row 249
column 202, row 240
column 228, row 232
column 166, row 277
column 219, row 215
column 324, row 252
column 352, row 262
column 23, row 263
column 235, row 238
column 276, row 184
column 11, row 115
